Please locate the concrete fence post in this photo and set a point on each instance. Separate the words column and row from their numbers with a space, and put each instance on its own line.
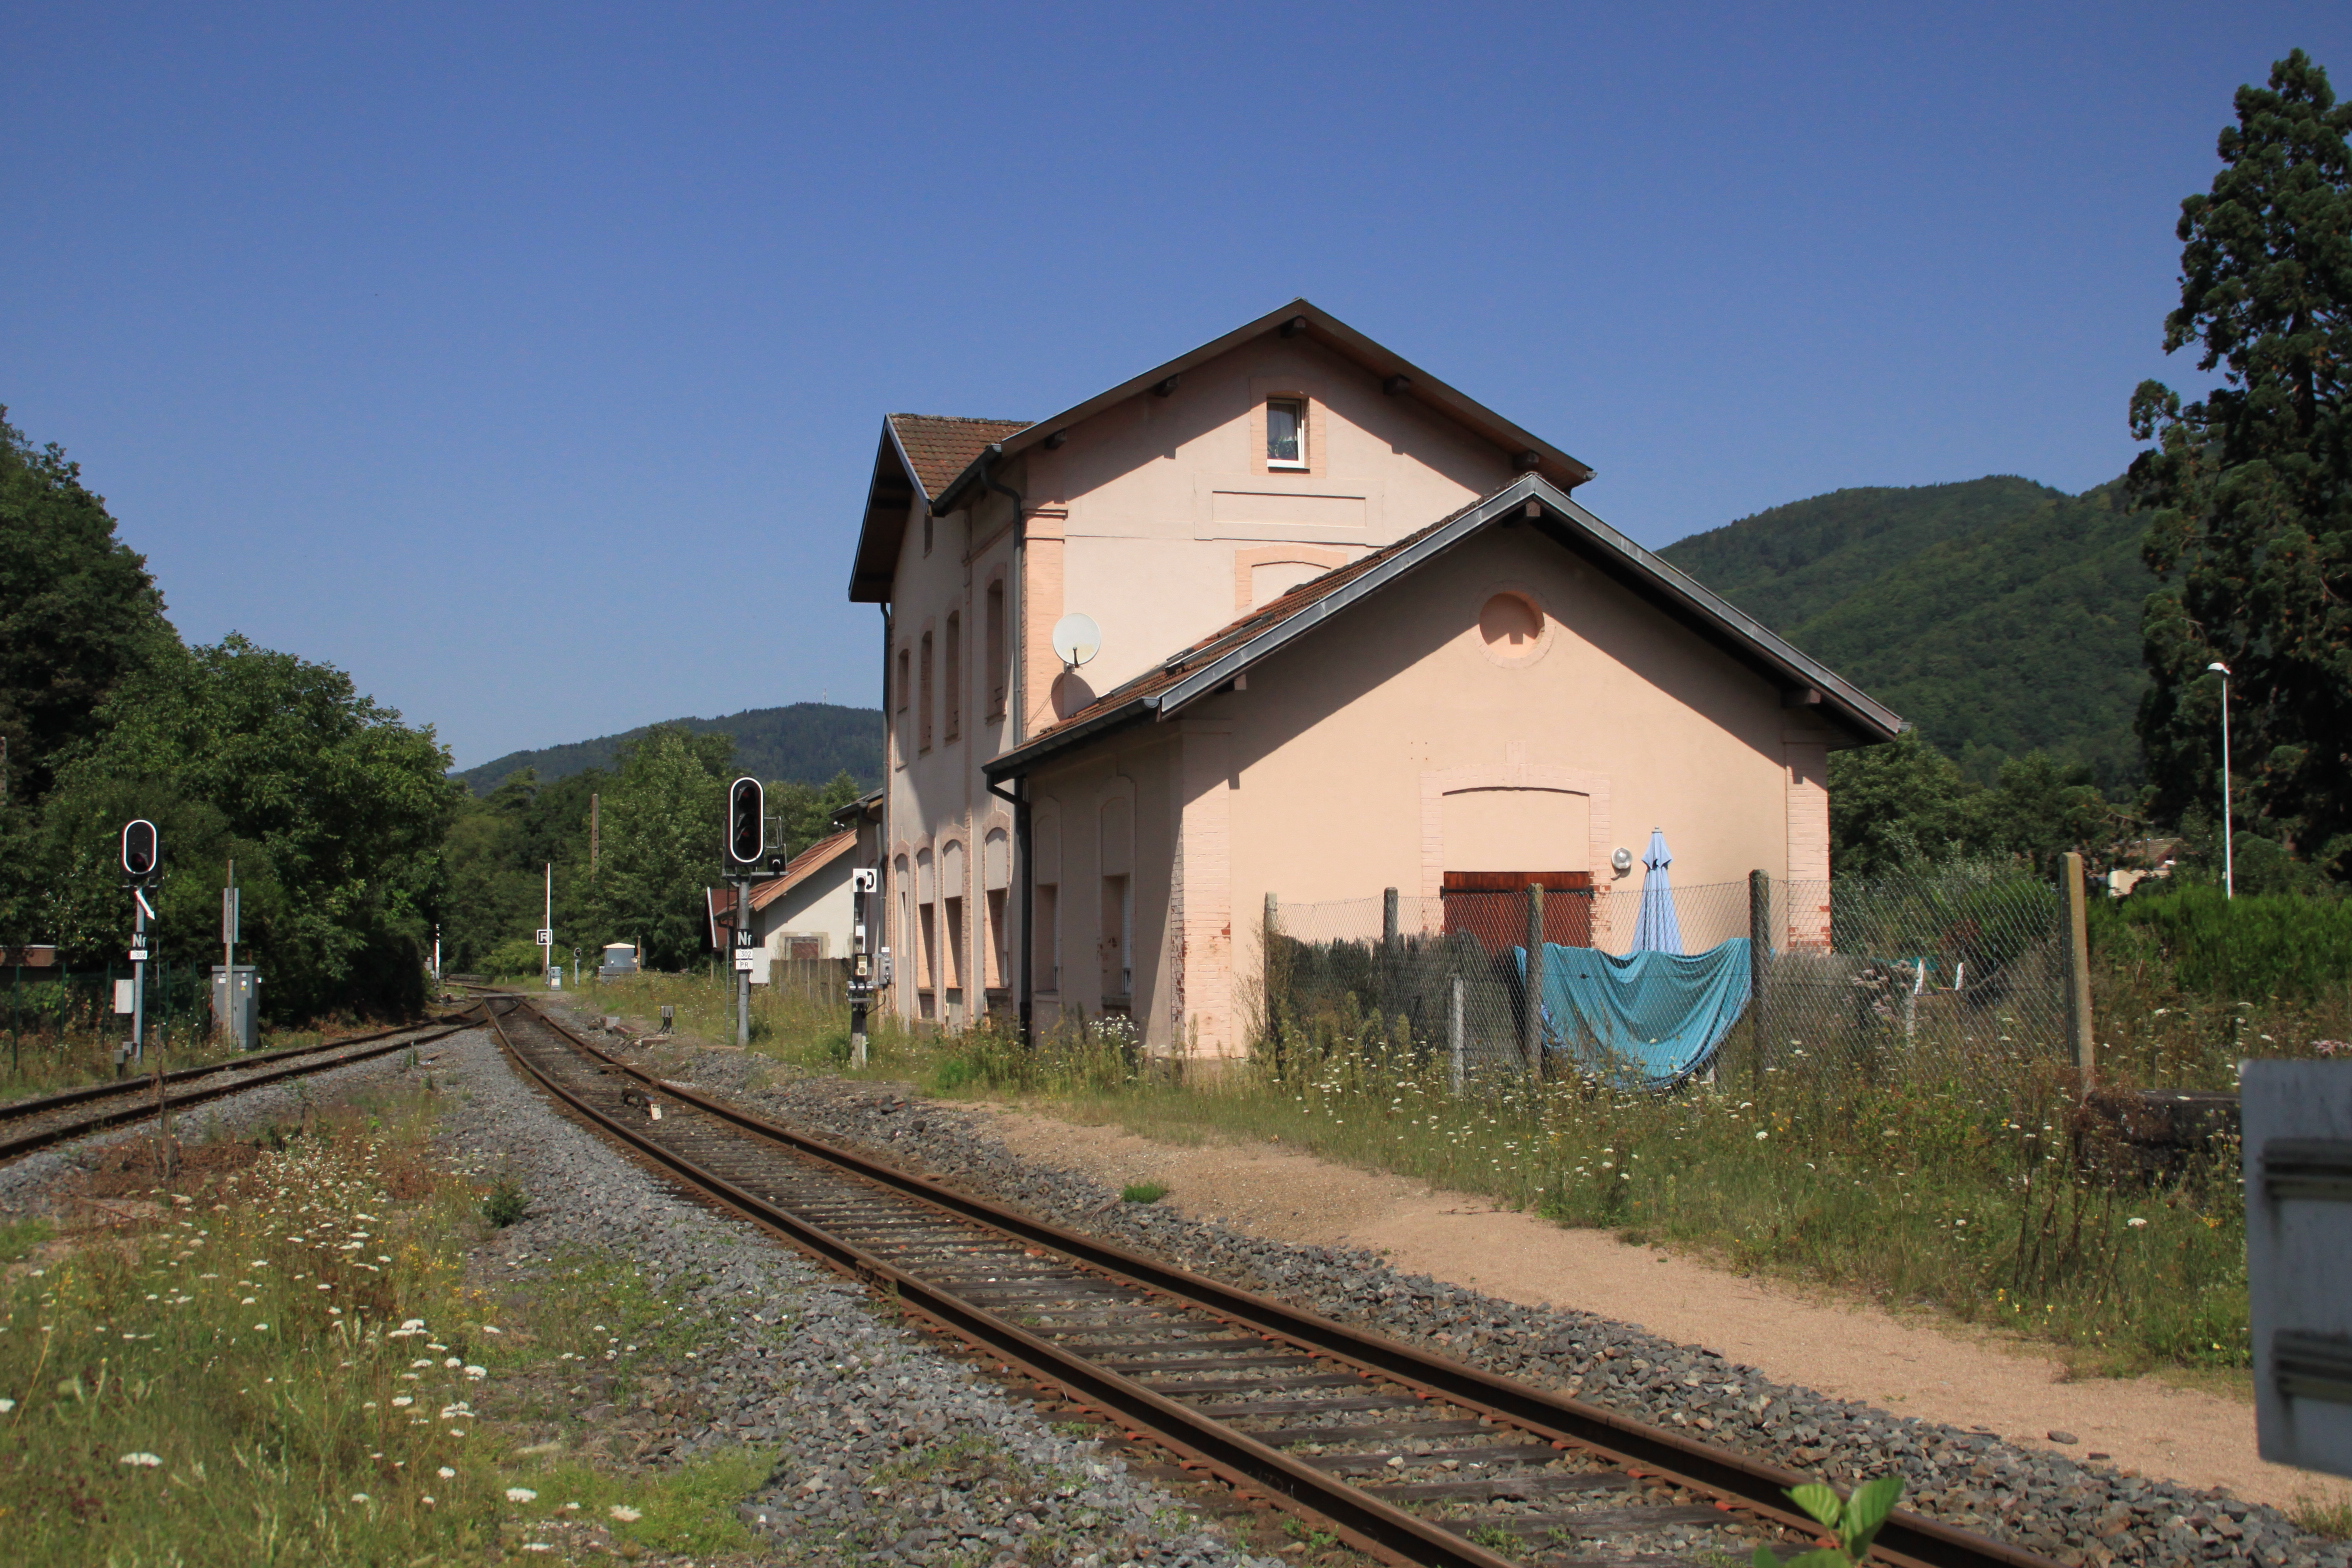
column 1454, row 1035
column 1531, row 1015
column 1759, row 970
column 1390, row 937
column 2078, row 971
column 1267, row 968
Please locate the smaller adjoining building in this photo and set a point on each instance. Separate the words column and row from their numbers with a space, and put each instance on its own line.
column 803, row 914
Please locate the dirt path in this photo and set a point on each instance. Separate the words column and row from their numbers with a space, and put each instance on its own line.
column 1908, row 1365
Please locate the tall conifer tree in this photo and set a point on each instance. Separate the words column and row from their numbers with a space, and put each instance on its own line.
column 2250, row 489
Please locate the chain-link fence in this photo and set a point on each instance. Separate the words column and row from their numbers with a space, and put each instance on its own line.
column 1945, row 979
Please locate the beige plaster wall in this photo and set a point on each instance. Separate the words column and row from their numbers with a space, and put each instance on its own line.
column 1161, row 519
column 935, row 798
column 1162, row 494
column 1330, row 776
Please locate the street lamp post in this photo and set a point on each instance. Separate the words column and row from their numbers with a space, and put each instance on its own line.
column 2229, row 878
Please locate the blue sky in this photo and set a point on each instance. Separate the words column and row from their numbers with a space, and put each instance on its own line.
column 527, row 361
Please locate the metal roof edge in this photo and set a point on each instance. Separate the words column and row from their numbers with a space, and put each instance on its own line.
column 1308, row 616
column 1439, row 395
column 1857, row 707
column 1021, row 758
column 1860, row 706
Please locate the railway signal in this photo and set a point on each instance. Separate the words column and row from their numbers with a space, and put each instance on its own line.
column 864, row 882
column 747, row 845
column 141, row 854
column 139, row 849
column 747, row 822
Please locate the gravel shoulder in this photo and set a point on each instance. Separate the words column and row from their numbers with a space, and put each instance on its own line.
column 2032, row 1495
column 883, row 1448
column 876, row 1444
column 1916, row 1364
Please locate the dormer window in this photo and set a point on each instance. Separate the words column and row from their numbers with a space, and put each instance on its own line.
column 1286, row 432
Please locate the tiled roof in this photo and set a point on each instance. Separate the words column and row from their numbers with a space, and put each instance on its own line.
column 1235, row 633
column 941, row 446
column 796, row 871
column 803, row 866
column 1205, row 665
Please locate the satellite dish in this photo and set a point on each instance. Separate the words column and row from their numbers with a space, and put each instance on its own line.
column 1077, row 639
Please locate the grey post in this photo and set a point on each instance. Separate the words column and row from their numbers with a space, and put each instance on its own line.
column 1454, row 1035
column 1266, row 955
column 1759, row 970
column 742, row 975
column 1390, row 939
column 139, row 975
column 1531, row 1014
column 2078, row 970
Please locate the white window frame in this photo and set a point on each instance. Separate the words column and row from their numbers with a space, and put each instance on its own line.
column 1287, row 464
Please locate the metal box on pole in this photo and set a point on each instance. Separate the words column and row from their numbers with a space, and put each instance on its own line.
column 235, row 1003
column 2297, row 1129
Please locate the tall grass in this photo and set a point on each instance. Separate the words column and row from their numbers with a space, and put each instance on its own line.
column 283, row 1366
column 2186, row 984
column 1929, row 1188
column 2267, row 945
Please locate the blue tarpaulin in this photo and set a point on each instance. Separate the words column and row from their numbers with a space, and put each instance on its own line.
column 1649, row 1019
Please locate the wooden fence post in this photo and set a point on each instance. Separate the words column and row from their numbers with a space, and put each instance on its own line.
column 1531, row 1016
column 2078, row 971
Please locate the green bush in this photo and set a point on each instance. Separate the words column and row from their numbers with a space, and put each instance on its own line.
column 506, row 1204
column 2253, row 945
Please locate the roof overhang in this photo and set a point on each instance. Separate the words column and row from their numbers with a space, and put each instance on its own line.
column 1803, row 680
column 890, row 496
column 1300, row 319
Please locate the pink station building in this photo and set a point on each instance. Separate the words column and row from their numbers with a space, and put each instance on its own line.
column 1355, row 634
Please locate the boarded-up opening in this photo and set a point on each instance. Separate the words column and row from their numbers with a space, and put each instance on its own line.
column 1492, row 906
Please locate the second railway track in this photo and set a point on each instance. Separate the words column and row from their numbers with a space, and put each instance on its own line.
column 1406, row 1455
column 38, row 1122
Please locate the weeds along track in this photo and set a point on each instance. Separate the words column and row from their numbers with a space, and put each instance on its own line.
column 26, row 1125
column 1403, row 1454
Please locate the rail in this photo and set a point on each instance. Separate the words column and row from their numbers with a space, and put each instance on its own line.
column 1088, row 1301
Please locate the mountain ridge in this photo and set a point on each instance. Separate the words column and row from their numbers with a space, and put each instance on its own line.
column 807, row 742
column 1999, row 614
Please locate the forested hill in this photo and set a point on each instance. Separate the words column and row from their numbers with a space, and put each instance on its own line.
column 808, row 742
column 1998, row 614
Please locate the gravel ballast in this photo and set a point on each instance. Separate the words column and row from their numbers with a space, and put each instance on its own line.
column 886, row 1449
column 2080, row 1514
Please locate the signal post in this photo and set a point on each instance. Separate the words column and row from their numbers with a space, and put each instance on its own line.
column 141, row 860
column 863, row 883
column 747, row 862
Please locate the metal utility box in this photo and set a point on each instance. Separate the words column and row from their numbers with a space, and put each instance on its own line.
column 2297, row 1119
column 236, row 1001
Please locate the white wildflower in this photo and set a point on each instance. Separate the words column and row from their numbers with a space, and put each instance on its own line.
column 521, row 1494
column 143, row 1461
column 625, row 1514
column 447, row 1474
column 2136, row 1223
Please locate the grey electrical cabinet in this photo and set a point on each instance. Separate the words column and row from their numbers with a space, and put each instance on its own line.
column 2297, row 1119
column 235, row 1004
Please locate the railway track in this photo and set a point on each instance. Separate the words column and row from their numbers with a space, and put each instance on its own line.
column 1405, row 1455
column 36, row 1123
